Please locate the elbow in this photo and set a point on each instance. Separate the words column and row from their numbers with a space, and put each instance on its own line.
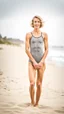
column 26, row 51
column 46, row 51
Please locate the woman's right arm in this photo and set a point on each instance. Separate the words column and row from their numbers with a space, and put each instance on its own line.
column 27, row 47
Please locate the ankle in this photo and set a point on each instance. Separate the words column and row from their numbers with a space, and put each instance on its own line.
column 32, row 103
column 36, row 104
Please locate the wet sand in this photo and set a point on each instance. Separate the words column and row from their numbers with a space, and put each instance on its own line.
column 14, row 84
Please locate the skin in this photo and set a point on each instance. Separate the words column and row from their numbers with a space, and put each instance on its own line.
column 34, row 66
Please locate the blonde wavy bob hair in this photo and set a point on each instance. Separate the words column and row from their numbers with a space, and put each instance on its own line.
column 41, row 21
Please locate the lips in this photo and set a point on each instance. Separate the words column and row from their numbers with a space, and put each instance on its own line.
column 36, row 26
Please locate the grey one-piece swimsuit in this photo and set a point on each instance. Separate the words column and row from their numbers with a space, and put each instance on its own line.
column 36, row 47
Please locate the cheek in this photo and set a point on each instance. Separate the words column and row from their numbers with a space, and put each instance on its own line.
column 39, row 24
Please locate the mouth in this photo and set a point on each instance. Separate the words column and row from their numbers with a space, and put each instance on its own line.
column 36, row 26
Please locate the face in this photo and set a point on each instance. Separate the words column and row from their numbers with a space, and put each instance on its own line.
column 36, row 23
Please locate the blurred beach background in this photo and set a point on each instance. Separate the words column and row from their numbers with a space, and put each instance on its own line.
column 14, row 83
column 15, row 17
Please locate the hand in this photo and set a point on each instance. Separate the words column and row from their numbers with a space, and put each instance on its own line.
column 35, row 64
column 40, row 64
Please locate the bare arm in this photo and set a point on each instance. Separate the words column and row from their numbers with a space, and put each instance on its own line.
column 27, row 47
column 46, row 47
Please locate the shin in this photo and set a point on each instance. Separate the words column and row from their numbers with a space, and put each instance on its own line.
column 32, row 92
column 38, row 92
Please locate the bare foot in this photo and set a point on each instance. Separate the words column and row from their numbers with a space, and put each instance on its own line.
column 32, row 104
column 36, row 104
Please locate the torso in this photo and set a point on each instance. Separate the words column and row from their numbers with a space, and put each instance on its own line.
column 36, row 47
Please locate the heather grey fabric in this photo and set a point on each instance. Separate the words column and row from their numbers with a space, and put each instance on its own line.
column 36, row 47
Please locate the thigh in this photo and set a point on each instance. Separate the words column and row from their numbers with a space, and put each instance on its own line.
column 40, row 73
column 31, row 72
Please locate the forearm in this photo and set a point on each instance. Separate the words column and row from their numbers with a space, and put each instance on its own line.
column 30, row 56
column 44, row 56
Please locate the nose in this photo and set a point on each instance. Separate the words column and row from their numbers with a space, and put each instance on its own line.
column 37, row 23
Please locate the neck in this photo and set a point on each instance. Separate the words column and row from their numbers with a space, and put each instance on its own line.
column 37, row 30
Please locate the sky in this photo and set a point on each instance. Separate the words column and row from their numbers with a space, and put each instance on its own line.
column 16, row 15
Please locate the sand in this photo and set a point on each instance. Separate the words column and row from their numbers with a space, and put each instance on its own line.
column 14, row 84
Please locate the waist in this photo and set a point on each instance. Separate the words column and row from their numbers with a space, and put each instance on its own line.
column 37, row 55
column 36, row 51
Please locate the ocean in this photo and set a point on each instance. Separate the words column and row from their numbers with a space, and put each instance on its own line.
column 56, row 54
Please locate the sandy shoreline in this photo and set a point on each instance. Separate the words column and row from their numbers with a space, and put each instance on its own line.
column 14, row 84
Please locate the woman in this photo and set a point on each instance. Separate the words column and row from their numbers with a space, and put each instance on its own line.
column 36, row 47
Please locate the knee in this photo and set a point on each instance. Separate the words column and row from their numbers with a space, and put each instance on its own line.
column 39, row 84
column 32, row 83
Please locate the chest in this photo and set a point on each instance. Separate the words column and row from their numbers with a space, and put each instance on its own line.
column 38, row 41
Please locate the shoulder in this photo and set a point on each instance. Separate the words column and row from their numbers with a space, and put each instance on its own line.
column 28, row 35
column 45, row 35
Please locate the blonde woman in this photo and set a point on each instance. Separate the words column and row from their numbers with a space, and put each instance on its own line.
column 36, row 47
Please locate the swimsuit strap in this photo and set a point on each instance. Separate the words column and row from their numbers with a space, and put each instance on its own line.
column 42, row 35
column 31, row 33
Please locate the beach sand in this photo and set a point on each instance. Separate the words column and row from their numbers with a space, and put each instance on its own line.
column 14, row 84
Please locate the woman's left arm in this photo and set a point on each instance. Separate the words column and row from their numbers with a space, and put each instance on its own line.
column 45, row 47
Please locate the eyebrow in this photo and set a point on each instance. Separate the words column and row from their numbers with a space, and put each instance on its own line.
column 38, row 21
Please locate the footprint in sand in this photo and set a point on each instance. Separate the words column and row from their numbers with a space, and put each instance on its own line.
column 1, row 72
column 60, row 111
column 24, row 105
column 63, row 107
column 44, row 107
column 1, row 48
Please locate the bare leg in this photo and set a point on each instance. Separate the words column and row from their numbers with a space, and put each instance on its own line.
column 32, row 75
column 38, row 93
column 31, row 89
column 40, row 73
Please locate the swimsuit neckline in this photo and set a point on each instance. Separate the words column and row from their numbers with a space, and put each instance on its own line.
column 36, row 36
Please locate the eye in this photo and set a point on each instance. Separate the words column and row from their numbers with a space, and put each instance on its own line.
column 38, row 21
column 35, row 21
